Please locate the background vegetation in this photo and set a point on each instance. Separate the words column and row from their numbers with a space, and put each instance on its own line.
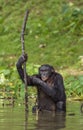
column 54, row 35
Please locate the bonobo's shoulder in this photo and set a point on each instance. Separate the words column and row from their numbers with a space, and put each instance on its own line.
column 58, row 75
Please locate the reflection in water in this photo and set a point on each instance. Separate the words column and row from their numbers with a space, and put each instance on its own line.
column 48, row 121
column 15, row 118
column 26, row 120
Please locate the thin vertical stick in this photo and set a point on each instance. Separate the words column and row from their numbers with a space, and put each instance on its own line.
column 23, row 52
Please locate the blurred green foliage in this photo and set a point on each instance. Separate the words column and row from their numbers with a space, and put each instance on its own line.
column 54, row 31
column 54, row 35
column 74, row 86
column 11, row 85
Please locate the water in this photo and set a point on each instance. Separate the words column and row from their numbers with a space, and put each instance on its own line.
column 15, row 118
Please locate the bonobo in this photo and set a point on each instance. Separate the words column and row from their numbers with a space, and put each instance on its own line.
column 49, row 84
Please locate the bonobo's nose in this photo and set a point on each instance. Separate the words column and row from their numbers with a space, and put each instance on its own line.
column 44, row 78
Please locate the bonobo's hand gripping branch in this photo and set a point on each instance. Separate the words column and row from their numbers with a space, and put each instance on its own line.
column 23, row 53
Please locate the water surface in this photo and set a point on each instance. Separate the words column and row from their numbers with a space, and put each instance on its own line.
column 15, row 118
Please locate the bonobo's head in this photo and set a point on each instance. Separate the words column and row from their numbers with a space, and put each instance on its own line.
column 45, row 71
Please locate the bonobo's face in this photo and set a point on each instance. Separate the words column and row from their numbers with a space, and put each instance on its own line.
column 45, row 72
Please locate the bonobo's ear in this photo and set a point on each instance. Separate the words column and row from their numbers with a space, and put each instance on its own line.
column 52, row 70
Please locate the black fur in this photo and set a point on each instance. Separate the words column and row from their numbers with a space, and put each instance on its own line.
column 51, row 93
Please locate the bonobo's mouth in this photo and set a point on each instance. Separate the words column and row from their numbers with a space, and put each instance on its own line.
column 44, row 78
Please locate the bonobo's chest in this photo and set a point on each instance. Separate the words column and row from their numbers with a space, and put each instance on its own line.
column 45, row 102
column 50, row 83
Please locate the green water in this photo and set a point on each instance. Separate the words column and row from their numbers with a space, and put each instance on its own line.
column 15, row 118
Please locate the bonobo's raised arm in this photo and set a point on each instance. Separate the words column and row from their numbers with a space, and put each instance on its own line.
column 19, row 64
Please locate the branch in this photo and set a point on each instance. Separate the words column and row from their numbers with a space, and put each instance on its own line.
column 23, row 52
